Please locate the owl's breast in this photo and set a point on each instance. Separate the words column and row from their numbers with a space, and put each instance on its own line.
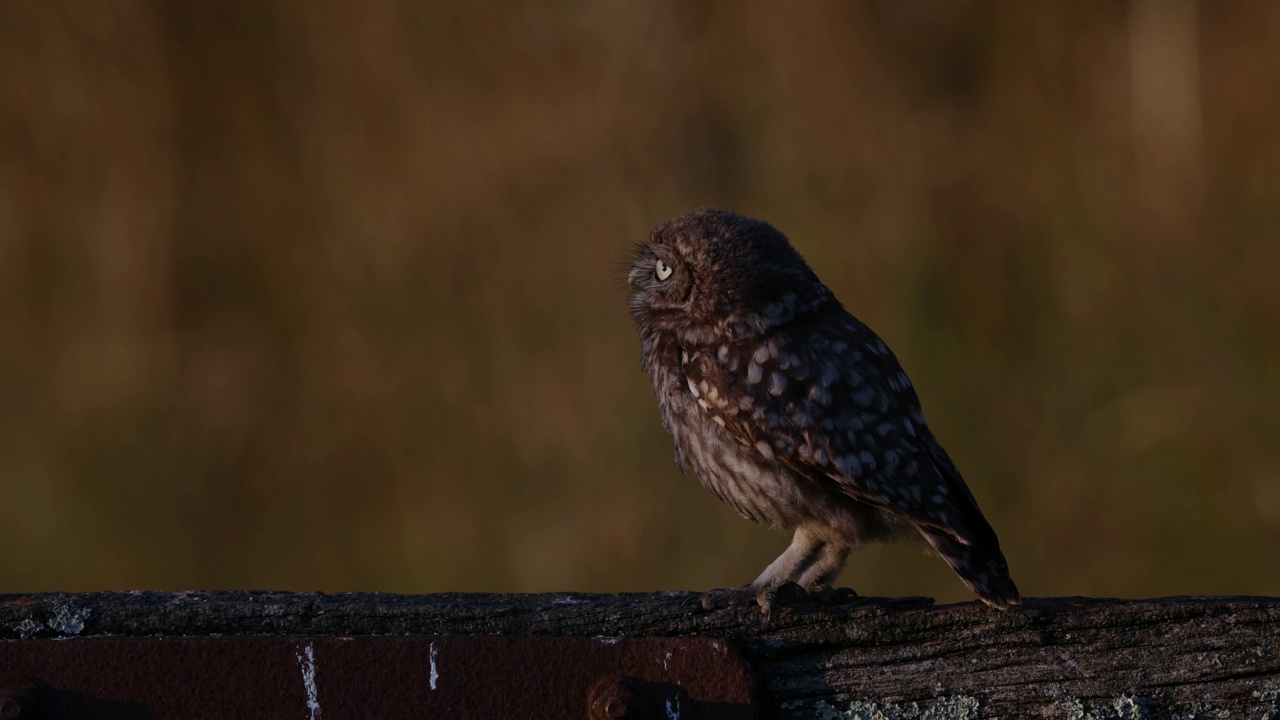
column 758, row 488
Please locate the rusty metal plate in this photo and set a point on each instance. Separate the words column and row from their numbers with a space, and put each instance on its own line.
column 328, row 678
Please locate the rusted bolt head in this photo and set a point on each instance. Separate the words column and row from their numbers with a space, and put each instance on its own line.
column 618, row 708
column 611, row 699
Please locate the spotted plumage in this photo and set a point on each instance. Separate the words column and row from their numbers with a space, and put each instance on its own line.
column 791, row 410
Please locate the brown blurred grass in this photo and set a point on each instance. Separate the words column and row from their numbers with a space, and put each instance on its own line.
column 318, row 295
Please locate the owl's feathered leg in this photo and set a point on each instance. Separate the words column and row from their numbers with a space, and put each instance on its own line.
column 803, row 572
column 805, row 549
column 824, row 568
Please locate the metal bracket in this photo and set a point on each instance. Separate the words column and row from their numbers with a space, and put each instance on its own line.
column 325, row 678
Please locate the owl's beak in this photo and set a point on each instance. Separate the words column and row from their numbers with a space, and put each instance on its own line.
column 633, row 277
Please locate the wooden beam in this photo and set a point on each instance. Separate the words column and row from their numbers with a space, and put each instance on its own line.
column 875, row 659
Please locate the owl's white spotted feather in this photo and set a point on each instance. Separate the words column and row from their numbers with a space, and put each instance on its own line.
column 828, row 413
column 791, row 410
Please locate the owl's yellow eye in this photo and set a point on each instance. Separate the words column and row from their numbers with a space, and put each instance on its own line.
column 661, row 270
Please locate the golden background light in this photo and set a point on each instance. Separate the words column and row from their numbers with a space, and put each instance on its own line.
column 324, row 296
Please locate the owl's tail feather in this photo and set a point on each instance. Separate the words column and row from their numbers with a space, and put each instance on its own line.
column 981, row 567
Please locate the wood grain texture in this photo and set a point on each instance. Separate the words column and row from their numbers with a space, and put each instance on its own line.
column 876, row 659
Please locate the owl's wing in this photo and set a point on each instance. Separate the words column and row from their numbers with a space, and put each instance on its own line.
column 830, row 402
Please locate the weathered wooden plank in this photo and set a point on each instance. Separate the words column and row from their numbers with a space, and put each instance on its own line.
column 874, row 659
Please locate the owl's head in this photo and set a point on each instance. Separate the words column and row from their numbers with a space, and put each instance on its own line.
column 712, row 276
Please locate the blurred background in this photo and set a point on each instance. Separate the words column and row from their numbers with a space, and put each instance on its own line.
column 323, row 295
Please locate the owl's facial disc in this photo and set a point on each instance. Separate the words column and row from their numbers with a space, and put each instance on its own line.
column 660, row 285
column 661, row 270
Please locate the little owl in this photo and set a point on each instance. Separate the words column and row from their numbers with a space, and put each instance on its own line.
column 792, row 411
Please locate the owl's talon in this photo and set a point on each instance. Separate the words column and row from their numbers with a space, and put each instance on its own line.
column 828, row 595
column 790, row 594
column 787, row 593
column 766, row 597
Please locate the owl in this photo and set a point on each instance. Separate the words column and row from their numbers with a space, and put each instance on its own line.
column 793, row 411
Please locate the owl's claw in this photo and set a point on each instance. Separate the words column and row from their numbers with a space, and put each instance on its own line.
column 792, row 594
column 828, row 595
column 787, row 593
column 766, row 597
